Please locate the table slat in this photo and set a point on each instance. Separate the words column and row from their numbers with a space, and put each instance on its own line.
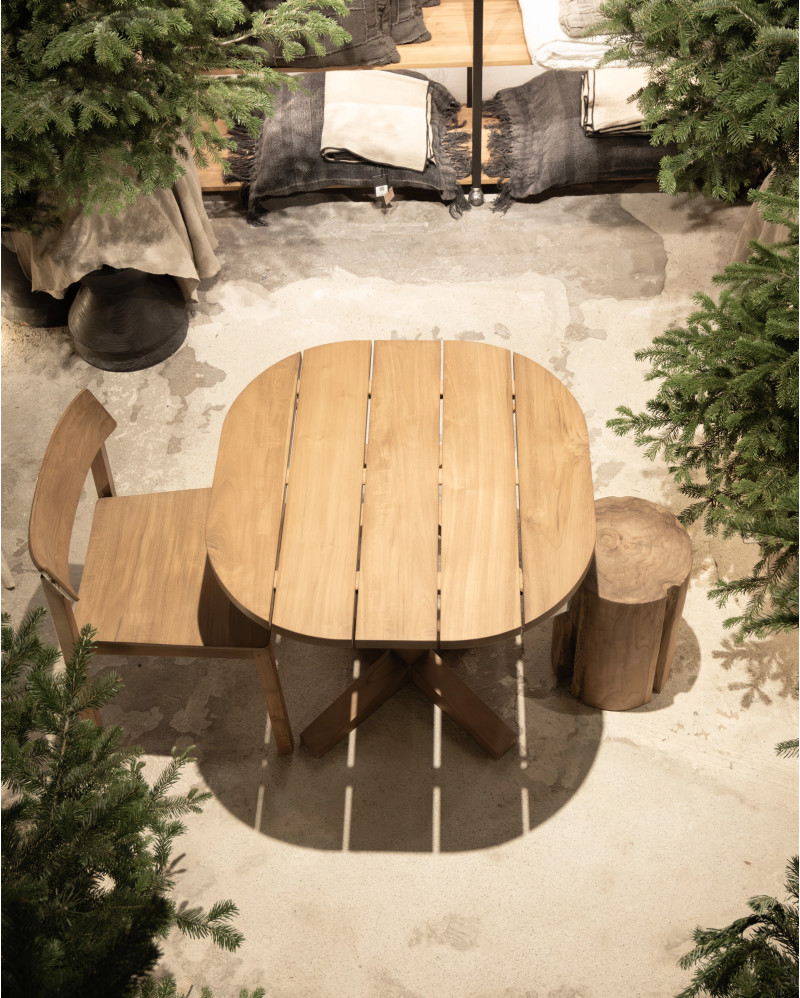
column 315, row 592
column 557, row 522
column 480, row 548
column 244, row 516
column 399, row 546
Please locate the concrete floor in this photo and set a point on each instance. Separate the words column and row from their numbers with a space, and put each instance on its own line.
column 575, row 867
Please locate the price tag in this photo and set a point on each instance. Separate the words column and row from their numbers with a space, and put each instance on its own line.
column 385, row 192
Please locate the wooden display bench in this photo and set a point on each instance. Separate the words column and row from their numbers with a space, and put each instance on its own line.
column 450, row 47
column 211, row 179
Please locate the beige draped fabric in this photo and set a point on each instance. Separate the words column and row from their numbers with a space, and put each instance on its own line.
column 167, row 232
column 766, row 233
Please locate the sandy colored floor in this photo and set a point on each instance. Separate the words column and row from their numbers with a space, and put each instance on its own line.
column 405, row 863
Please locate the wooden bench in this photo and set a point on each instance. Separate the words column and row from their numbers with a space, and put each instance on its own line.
column 450, row 47
column 212, row 181
column 618, row 637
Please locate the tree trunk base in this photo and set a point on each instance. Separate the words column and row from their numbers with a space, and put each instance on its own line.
column 618, row 637
column 127, row 320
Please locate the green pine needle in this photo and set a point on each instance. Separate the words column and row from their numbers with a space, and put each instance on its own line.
column 98, row 98
column 725, row 417
column 722, row 87
column 86, row 841
column 753, row 957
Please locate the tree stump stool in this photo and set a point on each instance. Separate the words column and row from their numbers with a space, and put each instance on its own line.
column 618, row 636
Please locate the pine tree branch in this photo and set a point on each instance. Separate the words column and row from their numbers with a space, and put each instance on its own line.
column 725, row 415
column 86, row 843
column 96, row 99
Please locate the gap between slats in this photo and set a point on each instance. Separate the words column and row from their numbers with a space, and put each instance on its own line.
column 519, row 509
column 285, row 488
column 363, row 489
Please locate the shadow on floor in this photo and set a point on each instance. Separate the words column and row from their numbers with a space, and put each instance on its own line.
column 761, row 668
column 398, row 785
column 408, row 780
column 682, row 674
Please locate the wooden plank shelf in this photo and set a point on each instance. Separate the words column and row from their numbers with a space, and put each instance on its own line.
column 450, row 25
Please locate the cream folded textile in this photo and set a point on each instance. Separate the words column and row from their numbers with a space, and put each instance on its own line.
column 376, row 116
column 606, row 108
column 550, row 46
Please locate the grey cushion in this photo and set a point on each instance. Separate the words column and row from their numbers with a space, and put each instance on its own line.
column 369, row 22
column 539, row 144
column 407, row 23
column 575, row 16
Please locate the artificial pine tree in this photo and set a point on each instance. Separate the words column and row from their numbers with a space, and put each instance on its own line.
column 753, row 957
column 726, row 419
column 86, row 841
column 723, row 87
column 98, row 96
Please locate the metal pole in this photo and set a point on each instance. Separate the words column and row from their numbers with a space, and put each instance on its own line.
column 476, row 192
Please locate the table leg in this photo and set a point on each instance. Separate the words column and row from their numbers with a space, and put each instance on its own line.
column 456, row 699
column 273, row 694
column 384, row 678
column 372, row 688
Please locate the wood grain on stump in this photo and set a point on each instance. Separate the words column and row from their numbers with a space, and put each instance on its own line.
column 619, row 634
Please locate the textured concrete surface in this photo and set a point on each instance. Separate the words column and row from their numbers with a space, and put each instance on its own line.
column 406, row 864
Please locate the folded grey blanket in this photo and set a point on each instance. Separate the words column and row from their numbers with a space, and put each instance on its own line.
column 369, row 23
column 286, row 158
column 538, row 143
column 606, row 104
column 376, row 116
column 376, row 28
column 406, row 23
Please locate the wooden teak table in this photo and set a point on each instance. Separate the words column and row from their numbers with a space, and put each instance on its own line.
column 405, row 495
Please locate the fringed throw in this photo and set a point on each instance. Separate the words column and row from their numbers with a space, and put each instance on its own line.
column 376, row 28
column 286, row 157
column 407, row 23
column 369, row 24
column 538, row 143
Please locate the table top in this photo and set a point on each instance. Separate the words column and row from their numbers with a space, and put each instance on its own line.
column 402, row 494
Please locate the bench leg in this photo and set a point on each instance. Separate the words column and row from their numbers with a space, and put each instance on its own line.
column 564, row 638
column 384, row 678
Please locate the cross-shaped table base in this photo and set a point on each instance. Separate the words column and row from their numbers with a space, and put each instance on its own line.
column 384, row 678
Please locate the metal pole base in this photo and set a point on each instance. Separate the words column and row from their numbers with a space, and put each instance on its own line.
column 475, row 197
